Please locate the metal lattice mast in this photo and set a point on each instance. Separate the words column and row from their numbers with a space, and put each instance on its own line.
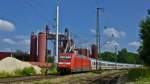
column 98, row 30
column 46, row 53
column 97, row 35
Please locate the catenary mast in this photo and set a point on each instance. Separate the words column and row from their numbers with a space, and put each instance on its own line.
column 97, row 36
column 57, row 32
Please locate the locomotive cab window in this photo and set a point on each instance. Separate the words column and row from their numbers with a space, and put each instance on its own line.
column 65, row 57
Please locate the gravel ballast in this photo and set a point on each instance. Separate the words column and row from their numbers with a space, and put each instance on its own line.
column 10, row 64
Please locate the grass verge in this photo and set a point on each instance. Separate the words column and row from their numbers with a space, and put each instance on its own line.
column 25, row 72
column 139, row 76
column 50, row 70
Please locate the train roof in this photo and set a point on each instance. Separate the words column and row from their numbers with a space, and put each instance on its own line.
column 108, row 62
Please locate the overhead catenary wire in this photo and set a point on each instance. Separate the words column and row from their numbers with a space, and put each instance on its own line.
column 19, row 19
column 37, row 9
column 41, row 9
column 35, row 6
column 27, row 2
column 97, row 3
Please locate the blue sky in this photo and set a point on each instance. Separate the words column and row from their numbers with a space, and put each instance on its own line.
column 18, row 18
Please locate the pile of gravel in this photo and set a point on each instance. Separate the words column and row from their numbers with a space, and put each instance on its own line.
column 10, row 64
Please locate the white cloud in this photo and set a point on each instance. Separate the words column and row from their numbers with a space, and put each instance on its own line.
column 15, row 42
column 112, row 32
column 19, row 42
column 111, row 44
column 9, row 41
column 135, row 44
column 6, row 26
column 25, row 42
column 93, row 31
column 8, row 50
column 21, row 37
column 122, row 33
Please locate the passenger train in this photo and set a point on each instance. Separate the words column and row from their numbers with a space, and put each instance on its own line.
column 72, row 62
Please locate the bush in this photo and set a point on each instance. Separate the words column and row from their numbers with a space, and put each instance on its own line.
column 53, row 69
column 5, row 74
column 18, row 72
column 138, row 73
column 28, row 71
column 25, row 72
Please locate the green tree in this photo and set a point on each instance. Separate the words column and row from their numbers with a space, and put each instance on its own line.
column 127, row 57
column 19, row 54
column 144, row 50
column 122, row 55
column 131, row 58
column 108, row 56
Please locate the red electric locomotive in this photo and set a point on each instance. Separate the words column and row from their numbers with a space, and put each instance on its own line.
column 72, row 62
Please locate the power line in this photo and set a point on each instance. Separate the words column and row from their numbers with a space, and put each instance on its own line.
column 40, row 9
column 27, row 2
column 97, row 3
column 4, row 12
column 36, row 8
column 30, row 4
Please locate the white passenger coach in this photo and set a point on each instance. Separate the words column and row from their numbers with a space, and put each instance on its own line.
column 111, row 65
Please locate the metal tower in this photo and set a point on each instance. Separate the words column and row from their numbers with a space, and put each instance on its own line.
column 97, row 35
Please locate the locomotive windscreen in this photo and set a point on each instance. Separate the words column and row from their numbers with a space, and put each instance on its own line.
column 64, row 58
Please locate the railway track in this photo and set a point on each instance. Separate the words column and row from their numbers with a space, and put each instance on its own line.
column 25, row 79
column 108, row 79
column 18, row 80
